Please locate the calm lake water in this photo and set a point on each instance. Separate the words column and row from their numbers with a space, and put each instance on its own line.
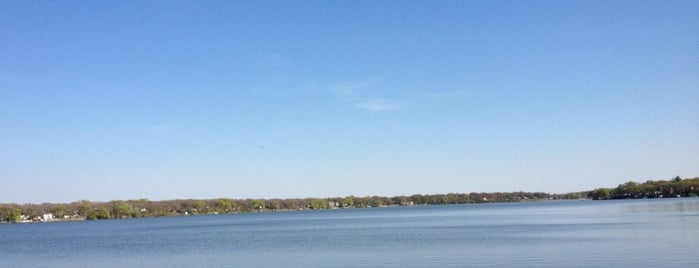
column 629, row 233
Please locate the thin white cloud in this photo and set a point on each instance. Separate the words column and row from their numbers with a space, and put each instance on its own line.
column 378, row 105
column 355, row 94
column 354, row 89
column 362, row 95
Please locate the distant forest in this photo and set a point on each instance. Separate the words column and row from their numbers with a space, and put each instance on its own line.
column 676, row 187
column 87, row 210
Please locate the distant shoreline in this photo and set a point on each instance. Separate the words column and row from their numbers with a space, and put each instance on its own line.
column 119, row 209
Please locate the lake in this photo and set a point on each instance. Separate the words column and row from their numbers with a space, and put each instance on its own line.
column 624, row 233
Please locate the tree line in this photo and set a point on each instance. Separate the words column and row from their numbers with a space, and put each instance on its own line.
column 146, row 208
column 675, row 187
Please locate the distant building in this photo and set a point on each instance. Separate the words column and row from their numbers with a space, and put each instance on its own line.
column 47, row 217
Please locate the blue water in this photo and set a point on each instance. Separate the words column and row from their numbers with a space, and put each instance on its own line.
column 629, row 233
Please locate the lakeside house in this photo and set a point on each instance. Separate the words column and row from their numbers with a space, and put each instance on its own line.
column 24, row 218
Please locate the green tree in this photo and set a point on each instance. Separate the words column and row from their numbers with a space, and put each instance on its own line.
column 60, row 211
column 84, row 208
column 122, row 210
column 14, row 215
column 258, row 204
column 348, row 202
column 573, row 196
column 376, row 202
column 99, row 214
column 224, row 206
column 319, row 204
column 600, row 194
column 627, row 190
column 201, row 207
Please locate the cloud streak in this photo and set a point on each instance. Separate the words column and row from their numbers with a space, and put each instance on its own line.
column 354, row 94
column 379, row 104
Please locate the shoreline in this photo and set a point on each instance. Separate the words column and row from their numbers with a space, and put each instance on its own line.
column 346, row 208
column 120, row 209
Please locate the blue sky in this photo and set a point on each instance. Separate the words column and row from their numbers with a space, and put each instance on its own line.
column 262, row 99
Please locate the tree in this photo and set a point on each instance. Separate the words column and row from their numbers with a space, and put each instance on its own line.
column 84, row 208
column 319, row 204
column 258, row 204
column 376, row 202
column 14, row 215
column 274, row 204
column 224, row 206
column 348, row 202
column 99, row 214
column 627, row 190
column 201, row 207
column 122, row 209
column 59, row 211
column 600, row 194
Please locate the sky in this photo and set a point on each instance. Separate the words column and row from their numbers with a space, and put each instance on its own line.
column 118, row 100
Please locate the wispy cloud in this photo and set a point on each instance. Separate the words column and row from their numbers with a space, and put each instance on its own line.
column 365, row 95
column 358, row 95
column 379, row 104
column 354, row 89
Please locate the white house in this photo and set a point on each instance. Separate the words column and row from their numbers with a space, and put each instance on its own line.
column 47, row 217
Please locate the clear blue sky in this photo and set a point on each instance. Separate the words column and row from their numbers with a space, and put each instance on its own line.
column 105, row 100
